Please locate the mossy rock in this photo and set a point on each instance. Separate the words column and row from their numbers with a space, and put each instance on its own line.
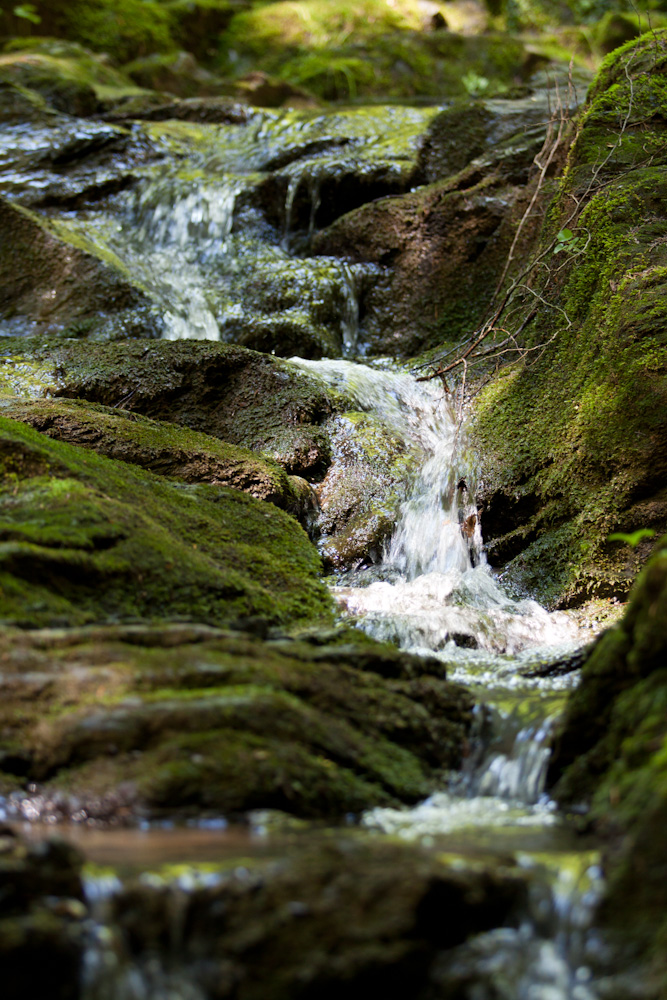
column 254, row 400
column 185, row 718
column 611, row 754
column 50, row 286
column 61, row 92
column 140, row 546
column 361, row 494
column 167, row 449
column 70, row 77
column 19, row 105
column 585, row 409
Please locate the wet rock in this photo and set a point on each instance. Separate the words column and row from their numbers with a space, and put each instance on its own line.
column 440, row 252
column 609, row 755
column 140, row 546
column 499, row 129
column 589, row 414
column 441, row 249
column 163, row 448
column 47, row 285
column 361, row 493
column 161, row 107
column 350, row 917
column 186, row 718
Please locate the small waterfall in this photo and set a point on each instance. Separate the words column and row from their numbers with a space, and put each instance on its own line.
column 441, row 595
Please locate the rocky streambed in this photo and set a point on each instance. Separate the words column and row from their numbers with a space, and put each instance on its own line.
column 285, row 789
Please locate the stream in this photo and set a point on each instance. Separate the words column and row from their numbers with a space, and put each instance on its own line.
column 196, row 234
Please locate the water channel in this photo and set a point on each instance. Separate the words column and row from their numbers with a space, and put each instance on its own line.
column 197, row 237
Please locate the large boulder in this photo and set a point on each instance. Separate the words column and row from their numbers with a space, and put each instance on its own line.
column 254, row 400
column 167, row 449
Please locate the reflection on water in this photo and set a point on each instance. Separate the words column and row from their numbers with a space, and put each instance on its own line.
column 133, row 849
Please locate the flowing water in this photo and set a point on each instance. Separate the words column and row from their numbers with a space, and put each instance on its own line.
column 196, row 237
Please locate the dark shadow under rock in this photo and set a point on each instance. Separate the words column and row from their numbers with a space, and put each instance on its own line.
column 353, row 918
column 42, row 929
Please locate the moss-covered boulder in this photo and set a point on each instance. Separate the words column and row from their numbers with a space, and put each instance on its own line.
column 167, row 449
column 69, row 77
column 50, row 286
column 187, row 718
column 86, row 538
column 243, row 397
column 611, row 756
column 573, row 432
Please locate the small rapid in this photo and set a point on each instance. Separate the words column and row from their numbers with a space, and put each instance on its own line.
column 440, row 598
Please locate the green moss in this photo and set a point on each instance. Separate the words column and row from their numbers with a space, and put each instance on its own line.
column 122, row 28
column 106, row 541
column 188, row 718
column 611, row 753
column 62, row 72
column 267, row 404
column 162, row 447
column 585, row 418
